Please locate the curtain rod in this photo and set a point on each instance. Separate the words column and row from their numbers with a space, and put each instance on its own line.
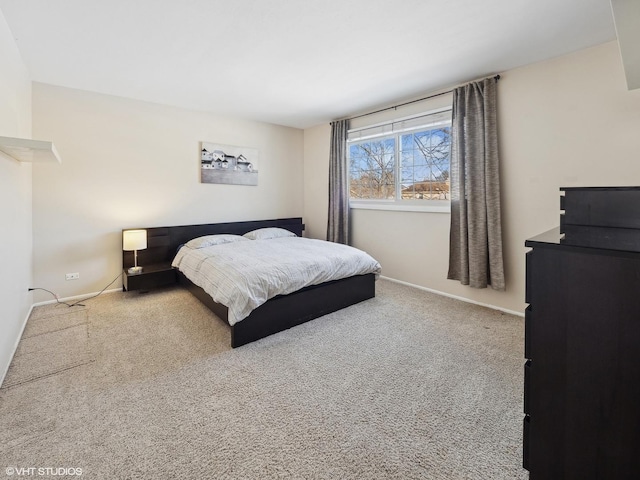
column 497, row 77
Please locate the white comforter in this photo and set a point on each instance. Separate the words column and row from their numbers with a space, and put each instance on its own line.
column 244, row 275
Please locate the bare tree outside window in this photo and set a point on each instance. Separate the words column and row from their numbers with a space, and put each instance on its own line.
column 425, row 164
column 373, row 169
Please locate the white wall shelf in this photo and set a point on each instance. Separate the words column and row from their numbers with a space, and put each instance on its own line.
column 25, row 150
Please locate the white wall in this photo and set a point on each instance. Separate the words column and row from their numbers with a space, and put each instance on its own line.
column 15, row 200
column 316, row 180
column 127, row 164
column 569, row 122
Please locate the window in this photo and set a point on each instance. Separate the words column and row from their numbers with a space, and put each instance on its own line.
column 401, row 163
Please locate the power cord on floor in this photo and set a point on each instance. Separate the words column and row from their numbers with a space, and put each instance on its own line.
column 81, row 300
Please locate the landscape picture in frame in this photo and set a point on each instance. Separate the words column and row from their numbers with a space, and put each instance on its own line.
column 228, row 164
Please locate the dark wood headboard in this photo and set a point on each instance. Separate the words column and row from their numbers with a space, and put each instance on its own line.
column 163, row 242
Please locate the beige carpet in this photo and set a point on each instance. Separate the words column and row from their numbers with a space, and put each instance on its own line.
column 407, row 385
column 43, row 351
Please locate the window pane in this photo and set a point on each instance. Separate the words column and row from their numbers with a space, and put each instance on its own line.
column 426, row 154
column 372, row 168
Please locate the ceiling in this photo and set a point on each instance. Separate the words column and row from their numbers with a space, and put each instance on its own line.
column 297, row 63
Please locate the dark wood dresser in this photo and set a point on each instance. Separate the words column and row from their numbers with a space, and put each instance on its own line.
column 582, row 340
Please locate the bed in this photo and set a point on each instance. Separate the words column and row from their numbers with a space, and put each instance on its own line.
column 279, row 312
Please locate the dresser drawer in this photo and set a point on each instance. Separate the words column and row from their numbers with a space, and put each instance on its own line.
column 526, row 431
column 527, row 386
column 527, row 332
column 528, row 277
column 617, row 207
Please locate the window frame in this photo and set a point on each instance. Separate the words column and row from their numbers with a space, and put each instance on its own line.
column 397, row 204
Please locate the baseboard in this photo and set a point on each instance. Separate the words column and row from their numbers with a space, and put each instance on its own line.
column 86, row 296
column 15, row 346
column 457, row 297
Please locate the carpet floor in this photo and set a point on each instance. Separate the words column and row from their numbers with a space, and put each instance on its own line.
column 408, row 385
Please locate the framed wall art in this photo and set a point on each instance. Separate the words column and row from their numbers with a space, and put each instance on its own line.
column 228, row 164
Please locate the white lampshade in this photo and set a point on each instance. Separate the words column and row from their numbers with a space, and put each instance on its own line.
column 134, row 240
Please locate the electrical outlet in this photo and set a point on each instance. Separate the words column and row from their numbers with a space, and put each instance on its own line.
column 72, row 276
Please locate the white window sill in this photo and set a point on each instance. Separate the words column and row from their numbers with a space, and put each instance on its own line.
column 440, row 207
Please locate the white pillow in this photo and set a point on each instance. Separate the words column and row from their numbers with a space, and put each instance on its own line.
column 209, row 240
column 266, row 233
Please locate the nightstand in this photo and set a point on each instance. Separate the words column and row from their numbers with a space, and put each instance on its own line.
column 152, row 276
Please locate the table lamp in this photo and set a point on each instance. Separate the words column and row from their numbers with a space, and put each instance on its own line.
column 134, row 240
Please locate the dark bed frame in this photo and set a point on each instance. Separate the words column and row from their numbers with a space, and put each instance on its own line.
column 279, row 313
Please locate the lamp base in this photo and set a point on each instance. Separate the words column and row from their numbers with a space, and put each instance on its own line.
column 135, row 270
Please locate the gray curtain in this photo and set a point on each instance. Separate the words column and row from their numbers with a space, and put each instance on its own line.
column 475, row 254
column 338, row 222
